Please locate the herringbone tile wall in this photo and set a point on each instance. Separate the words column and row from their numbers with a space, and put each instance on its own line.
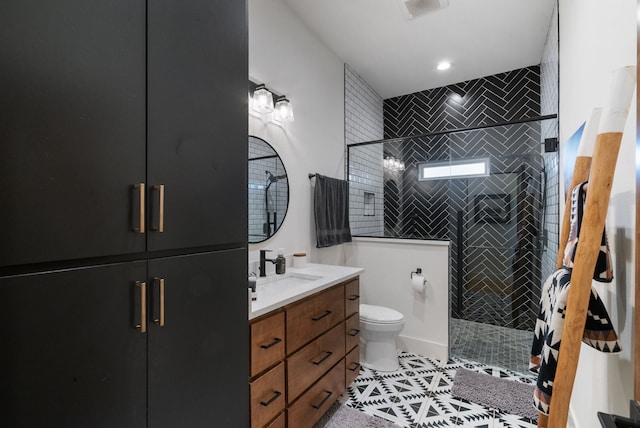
column 499, row 279
column 499, row 98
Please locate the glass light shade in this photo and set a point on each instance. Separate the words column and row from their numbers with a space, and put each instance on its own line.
column 283, row 111
column 262, row 100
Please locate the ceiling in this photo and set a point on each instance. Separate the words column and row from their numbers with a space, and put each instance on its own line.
column 397, row 55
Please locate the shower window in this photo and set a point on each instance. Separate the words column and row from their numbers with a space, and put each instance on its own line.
column 478, row 167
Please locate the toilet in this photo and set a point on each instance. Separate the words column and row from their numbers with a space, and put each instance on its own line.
column 379, row 328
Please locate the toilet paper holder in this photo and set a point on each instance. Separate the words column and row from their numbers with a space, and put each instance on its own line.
column 418, row 271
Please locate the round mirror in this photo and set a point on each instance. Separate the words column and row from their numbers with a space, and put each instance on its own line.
column 268, row 190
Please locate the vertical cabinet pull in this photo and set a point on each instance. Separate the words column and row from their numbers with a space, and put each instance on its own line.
column 142, row 326
column 140, row 187
column 160, row 189
column 160, row 318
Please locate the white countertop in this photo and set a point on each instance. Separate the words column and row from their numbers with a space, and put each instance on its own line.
column 275, row 291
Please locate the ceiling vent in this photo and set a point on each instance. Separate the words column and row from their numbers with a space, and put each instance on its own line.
column 417, row 8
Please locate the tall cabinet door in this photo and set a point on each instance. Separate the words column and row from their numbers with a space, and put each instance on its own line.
column 197, row 122
column 71, row 355
column 199, row 359
column 72, row 128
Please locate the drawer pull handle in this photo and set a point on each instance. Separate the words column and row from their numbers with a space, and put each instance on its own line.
column 326, row 355
column 272, row 344
column 354, row 366
column 354, row 332
column 328, row 394
column 319, row 317
column 354, row 297
column 276, row 394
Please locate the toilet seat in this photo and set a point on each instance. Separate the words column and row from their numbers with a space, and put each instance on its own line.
column 379, row 314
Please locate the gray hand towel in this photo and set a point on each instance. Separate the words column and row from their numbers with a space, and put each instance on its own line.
column 331, row 206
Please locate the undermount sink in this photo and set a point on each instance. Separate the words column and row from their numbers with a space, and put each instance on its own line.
column 287, row 280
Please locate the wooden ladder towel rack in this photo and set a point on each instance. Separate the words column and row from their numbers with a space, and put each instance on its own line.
column 600, row 174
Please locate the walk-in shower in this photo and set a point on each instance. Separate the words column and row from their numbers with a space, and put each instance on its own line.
column 493, row 192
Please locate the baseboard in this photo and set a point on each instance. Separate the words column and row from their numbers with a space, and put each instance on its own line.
column 423, row 347
column 571, row 420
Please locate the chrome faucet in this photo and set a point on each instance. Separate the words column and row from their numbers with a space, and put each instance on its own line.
column 263, row 259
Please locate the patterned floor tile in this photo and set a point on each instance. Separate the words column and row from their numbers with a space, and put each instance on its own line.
column 418, row 395
column 502, row 420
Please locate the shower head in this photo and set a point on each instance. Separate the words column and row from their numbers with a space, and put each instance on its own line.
column 274, row 178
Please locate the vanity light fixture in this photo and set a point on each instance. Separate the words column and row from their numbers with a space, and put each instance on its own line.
column 283, row 111
column 262, row 100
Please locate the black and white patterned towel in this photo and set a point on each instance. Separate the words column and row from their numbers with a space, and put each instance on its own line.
column 599, row 332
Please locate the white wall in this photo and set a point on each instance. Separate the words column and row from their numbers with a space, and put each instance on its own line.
column 595, row 37
column 286, row 57
column 386, row 281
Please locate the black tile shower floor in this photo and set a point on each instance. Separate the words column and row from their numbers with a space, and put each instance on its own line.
column 490, row 344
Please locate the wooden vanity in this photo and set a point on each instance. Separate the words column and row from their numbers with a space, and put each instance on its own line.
column 303, row 355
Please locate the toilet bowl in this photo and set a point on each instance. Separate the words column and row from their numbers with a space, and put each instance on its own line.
column 379, row 328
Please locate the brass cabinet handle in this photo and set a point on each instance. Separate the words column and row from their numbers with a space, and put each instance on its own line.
column 160, row 319
column 326, row 355
column 142, row 327
column 160, row 189
column 275, row 341
column 328, row 394
column 275, row 396
column 140, row 187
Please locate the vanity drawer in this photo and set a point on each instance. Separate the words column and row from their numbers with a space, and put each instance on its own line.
column 267, row 342
column 312, row 317
column 352, row 363
column 352, row 296
column 352, row 331
column 314, row 403
column 311, row 362
column 267, row 396
column 280, row 422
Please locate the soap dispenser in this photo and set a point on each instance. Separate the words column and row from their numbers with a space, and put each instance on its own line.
column 281, row 262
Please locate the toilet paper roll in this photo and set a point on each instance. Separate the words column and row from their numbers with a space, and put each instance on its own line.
column 417, row 282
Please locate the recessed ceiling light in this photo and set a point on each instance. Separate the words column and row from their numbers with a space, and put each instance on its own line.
column 444, row 65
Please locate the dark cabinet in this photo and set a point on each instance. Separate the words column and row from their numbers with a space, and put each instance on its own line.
column 123, row 141
column 99, row 97
column 197, row 115
column 72, row 128
column 83, row 361
column 199, row 361
column 71, row 355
